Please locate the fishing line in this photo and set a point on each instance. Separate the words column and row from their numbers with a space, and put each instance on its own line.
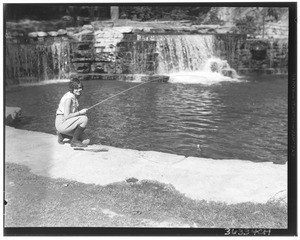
column 120, row 93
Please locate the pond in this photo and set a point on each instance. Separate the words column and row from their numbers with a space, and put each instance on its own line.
column 244, row 119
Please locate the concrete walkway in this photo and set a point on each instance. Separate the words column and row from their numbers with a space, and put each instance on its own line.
column 230, row 181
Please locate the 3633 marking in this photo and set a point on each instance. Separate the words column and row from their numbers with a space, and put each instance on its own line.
column 247, row 232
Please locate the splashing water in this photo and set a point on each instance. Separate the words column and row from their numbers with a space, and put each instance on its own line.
column 213, row 71
column 201, row 77
column 191, row 59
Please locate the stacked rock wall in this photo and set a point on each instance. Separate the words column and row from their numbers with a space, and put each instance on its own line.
column 264, row 56
column 247, row 56
column 108, row 52
column 104, row 51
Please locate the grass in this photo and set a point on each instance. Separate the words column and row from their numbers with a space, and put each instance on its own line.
column 160, row 202
column 35, row 201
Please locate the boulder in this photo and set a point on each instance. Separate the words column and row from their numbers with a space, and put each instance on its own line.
column 67, row 18
column 53, row 33
column 87, row 27
column 61, row 32
column 124, row 29
column 32, row 34
column 102, row 24
column 17, row 34
column 12, row 115
column 70, row 34
column 85, row 35
column 42, row 34
column 228, row 72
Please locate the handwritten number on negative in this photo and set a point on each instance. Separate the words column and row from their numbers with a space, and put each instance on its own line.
column 246, row 232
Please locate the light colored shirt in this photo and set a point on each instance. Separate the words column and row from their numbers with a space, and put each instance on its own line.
column 74, row 103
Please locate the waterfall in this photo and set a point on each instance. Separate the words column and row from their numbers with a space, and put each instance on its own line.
column 32, row 63
column 191, row 59
column 182, row 52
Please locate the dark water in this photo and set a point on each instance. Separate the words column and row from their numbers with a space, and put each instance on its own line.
column 230, row 120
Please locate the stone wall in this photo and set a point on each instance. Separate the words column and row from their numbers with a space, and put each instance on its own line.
column 108, row 51
column 264, row 56
column 246, row 56
column 104, row 50
column 90, row 52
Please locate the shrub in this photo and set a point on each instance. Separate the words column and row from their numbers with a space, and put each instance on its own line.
column 246, row 25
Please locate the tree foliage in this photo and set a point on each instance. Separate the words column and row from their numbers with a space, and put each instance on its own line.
column 52, row 11
column 252, row 23
column 148, row 13
column 246, row 25
column 137, row 13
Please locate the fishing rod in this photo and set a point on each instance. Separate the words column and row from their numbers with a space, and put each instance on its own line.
column 120, row 93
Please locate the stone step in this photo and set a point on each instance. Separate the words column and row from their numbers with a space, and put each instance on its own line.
column 122, row 77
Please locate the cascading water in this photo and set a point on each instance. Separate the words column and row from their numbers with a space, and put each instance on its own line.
column 191, row 59
column 32, row 63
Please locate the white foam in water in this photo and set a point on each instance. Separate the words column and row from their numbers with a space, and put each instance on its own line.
column 213, row 72
column 201, row 77
column 44, row 82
